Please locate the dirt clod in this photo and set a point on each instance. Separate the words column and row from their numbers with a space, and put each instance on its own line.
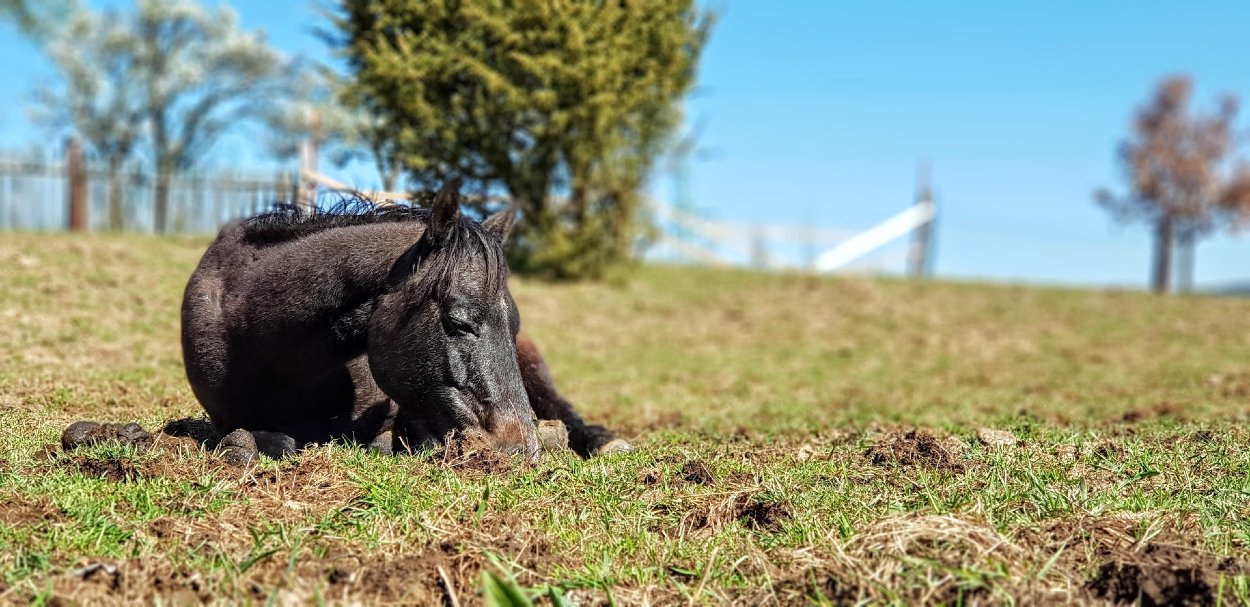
column 914, row 448
column 695, row 471
column 1161, row 574
column 649, row 476
column 101, row 573
column 111, row 469
column 764, row 515
column 473, row 452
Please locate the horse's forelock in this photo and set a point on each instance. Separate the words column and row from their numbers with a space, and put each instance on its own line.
column 439, row 263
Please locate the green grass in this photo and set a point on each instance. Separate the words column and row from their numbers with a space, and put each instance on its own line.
column 795, row 391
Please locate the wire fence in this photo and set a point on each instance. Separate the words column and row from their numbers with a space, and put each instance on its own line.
column 37, row 191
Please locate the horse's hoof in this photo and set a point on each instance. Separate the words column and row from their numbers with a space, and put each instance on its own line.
column 274, row 444
column 238, row 448
column 78, row 434
column 613, row 447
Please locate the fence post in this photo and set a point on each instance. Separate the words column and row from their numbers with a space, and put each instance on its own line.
column 308, row 162
column 76, row 186
column 919, row 262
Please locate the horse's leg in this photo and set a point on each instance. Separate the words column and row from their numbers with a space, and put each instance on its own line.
column 586, row 439
column 373, row 413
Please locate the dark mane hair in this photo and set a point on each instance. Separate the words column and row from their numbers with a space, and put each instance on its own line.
column 465, row 240
column 286, row 222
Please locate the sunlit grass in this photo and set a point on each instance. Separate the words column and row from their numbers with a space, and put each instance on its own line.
column 1129, row 412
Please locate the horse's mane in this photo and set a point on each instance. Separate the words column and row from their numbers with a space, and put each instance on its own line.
column 288, row 222
column 465, row 239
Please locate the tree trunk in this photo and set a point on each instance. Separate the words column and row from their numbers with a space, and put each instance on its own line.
column 76, row 190
column 164, row 175
column 388, row 173
column 1186, row 246
column 1161, row 275
column 116, row 212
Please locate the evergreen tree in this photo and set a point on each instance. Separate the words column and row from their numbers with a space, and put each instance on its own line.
column 562, row 106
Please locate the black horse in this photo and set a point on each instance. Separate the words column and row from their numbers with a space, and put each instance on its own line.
column 388, row 326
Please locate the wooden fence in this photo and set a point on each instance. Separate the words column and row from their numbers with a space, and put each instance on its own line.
column 40, row 191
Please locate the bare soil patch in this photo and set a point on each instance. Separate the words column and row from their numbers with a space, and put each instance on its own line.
column 914, row 448
column 473, row 452
column 21, row 511
column 112, row 469
column 768, row 516
column 697, row 472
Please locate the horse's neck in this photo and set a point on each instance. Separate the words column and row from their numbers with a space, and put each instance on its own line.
column 331, row 270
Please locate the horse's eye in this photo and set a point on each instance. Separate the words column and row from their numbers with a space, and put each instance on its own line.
column 457, row 326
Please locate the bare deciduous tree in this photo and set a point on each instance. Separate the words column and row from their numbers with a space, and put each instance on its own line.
column 1181, row 174
column 199, row 76
column 189, row 71
column 97, row 100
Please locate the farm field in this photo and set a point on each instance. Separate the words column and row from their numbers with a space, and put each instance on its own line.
column 799, row 440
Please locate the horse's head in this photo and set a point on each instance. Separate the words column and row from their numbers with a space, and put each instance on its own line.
column 442, row 341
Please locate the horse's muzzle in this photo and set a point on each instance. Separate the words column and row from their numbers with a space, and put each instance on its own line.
column 516, row 437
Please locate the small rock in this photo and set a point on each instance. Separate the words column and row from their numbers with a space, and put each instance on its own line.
column 996, row 438
column 552, row 435
column 613, row 447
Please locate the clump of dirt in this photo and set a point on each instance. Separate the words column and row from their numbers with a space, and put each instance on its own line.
column 1135, row 559
column 649, row 476
column 1161, row 572
column 473, row 452
column 741, row 506
column 112, row 469
column 915, row 448
column 416, row 579
column 106, row 574
column 697, row 472
column 768, row 516
column 21, row 511
column 1131, row 583
column 86, row 432
column 447, row 573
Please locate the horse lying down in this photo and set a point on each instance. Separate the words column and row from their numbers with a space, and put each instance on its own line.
column 389, row 327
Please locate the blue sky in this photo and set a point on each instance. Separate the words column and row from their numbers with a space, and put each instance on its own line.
column 819, row 111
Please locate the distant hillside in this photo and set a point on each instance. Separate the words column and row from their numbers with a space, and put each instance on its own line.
column 1235, row 289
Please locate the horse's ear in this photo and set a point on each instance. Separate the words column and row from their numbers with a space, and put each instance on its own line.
column 445, row 210
column 500, row 224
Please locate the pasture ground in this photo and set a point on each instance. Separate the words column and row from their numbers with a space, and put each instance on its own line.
column 799, row 440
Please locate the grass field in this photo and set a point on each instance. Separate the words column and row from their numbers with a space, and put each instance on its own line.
column 799, row 440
